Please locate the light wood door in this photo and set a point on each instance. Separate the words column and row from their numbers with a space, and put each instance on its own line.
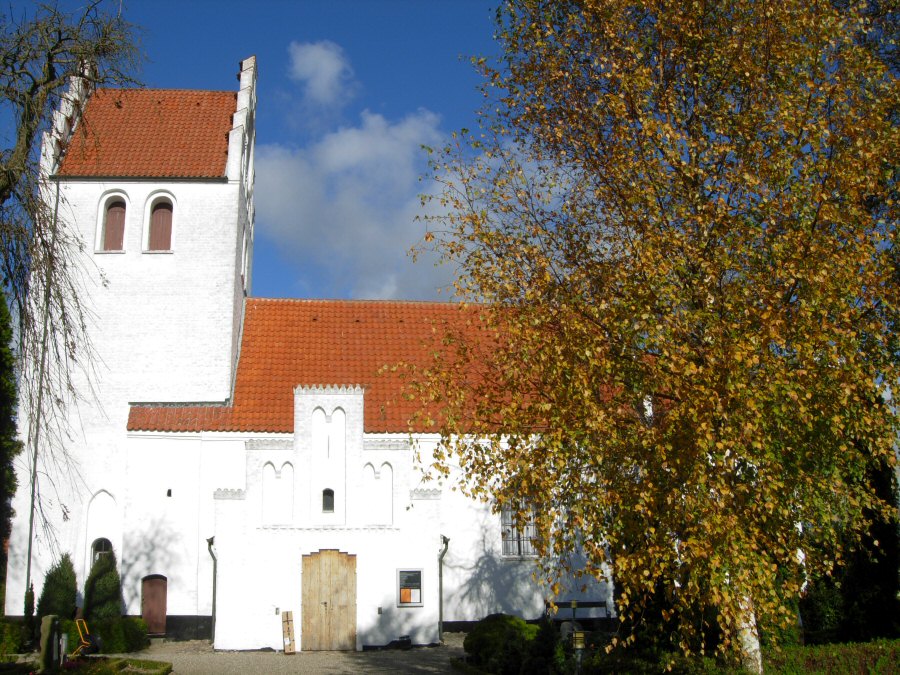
column 153, row 603
column 329, row 601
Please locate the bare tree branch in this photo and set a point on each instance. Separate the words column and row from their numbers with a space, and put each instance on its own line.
column 45, row 54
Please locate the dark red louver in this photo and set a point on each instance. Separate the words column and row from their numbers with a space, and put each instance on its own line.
column 114, row 229
column 161, row 228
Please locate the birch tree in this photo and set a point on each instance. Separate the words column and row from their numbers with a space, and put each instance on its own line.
column 677, row 220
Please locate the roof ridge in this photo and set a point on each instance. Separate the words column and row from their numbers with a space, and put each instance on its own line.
column 358, row 301
column 170, row 89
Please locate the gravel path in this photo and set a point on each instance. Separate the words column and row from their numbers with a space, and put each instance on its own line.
column 197, row 656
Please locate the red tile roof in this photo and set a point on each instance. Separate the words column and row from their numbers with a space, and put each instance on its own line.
column 164, row 133
column 316, row 342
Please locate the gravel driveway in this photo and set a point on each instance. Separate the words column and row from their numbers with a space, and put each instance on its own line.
column 197, row 656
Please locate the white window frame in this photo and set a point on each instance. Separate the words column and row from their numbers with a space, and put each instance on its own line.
column 152, row 200
column 105, row 200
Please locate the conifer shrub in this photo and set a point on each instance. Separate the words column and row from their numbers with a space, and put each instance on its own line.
column 59, row 591
column 103, row 590
column 29, row 613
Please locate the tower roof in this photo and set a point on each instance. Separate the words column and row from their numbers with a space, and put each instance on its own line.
column 152, row 133
column 287, row 343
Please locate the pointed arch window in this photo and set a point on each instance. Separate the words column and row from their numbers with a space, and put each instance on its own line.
column 114, row 225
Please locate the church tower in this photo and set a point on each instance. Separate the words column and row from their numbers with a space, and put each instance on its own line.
column 158, row 185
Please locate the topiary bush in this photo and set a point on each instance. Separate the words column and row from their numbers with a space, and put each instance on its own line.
column 500, row 643
column 59, row 591
column 103, row 590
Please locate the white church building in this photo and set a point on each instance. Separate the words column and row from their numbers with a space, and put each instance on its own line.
column 246, row 457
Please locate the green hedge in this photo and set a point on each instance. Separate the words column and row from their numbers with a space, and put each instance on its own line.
column 882, row 656
column 507, row 645
column 497, row 643
column 879, row 658
column 117, row 636
column 12, row 638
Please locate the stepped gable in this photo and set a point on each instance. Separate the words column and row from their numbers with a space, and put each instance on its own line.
column 290, row 343
column 152, row 133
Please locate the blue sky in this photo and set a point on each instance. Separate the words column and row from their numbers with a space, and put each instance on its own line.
column 348, row 91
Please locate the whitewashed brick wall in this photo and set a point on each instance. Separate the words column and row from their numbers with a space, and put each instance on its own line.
column 164, row 328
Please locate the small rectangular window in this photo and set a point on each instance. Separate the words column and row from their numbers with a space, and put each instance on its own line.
column 409, row 588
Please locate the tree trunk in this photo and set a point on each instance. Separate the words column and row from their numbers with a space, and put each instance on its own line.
column 748, row 636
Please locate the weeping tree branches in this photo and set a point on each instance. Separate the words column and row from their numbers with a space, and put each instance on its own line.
column 681, row 218
column 48, row 61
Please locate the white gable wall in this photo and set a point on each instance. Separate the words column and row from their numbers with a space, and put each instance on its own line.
column 260, row 555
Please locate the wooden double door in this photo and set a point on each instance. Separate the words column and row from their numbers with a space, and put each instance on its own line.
column 329, row 601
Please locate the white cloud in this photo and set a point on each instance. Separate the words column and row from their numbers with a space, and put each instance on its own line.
column 324, row 71
column 344, row 207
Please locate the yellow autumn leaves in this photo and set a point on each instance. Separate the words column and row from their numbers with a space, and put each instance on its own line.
column 681, row 218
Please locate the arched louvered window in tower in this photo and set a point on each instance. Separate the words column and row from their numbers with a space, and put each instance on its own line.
column 160, row 237
column 114, row 226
